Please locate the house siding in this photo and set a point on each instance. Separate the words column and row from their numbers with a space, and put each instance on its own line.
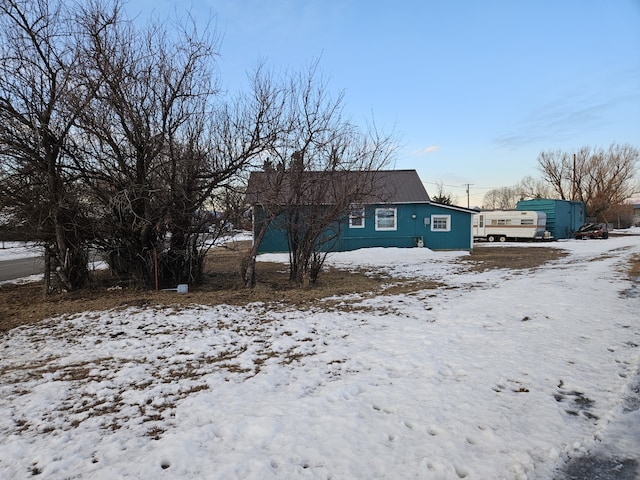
column 410, row 228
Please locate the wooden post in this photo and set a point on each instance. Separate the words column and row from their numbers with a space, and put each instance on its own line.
column 47, row 271
column 155, row 268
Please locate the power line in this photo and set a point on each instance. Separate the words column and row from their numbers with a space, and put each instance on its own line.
column 464, row 185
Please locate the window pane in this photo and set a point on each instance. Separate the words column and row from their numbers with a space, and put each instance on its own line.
column 440, row 223
column 356, row 218
column 386, row 218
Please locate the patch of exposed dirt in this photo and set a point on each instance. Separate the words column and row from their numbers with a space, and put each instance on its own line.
column 25, row 304
column 634, row 267
column 512, row 257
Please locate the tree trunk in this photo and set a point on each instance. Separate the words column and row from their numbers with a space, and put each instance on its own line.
column 249, row 267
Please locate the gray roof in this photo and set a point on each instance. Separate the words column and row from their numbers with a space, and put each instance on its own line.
column 404, row 186
column 389, row 186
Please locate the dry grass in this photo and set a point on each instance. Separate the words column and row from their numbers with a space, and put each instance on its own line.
column 512, row 257
column 634, row 267
column 24, row 304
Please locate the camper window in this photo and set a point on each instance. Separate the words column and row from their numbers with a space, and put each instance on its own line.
column 526, row 221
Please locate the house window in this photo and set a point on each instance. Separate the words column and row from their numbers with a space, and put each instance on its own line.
column 386, row 219
column 356, row 217
column 440, row 223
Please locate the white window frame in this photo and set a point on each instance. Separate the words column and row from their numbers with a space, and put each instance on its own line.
column 359, row 216
column 437, row 219
column 378, row 218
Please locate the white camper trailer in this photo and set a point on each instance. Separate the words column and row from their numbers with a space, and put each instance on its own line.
column 502, row 225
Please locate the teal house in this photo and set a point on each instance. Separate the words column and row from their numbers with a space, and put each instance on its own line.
column 401, row 215
column 563, row 216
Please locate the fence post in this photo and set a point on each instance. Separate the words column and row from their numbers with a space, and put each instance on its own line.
column 47, row 271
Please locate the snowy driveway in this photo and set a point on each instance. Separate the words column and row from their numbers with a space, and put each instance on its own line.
column 495, row 375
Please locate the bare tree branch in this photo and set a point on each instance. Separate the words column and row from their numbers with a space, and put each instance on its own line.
column 307, row 188
column 600, row 178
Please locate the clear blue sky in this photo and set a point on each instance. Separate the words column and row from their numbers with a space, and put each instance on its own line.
column 474, row 89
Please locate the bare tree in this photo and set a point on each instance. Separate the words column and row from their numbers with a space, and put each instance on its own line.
column 145, row 142
column 307, row 188
column 621, row 216
column 556, row 171
column 530, row 187
column 503, row 198
column 41, row 97
column 602, row 178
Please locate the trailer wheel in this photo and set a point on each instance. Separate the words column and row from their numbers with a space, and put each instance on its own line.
column 503, row 238
column 491, row 238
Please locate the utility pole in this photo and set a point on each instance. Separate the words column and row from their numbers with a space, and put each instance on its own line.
column 573, row 180
column 467, row 185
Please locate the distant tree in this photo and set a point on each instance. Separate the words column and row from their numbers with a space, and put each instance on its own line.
column 530, row 188
column 602, row 178
column 503, row 198
column 621, row 216
column 441, row 196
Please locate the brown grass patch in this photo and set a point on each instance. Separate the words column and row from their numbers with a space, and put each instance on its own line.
column 517, row 258
column 24, row 304
column 634, row 266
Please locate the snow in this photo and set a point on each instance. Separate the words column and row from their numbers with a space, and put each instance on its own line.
column 16, row 250
column 502, row 374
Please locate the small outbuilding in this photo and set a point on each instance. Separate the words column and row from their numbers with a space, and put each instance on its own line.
column 405, row 217
column 564, row 217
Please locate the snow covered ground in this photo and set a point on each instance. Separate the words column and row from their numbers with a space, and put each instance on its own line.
column 15, row 250
column 495, row 375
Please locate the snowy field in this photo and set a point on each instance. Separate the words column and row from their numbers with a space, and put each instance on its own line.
column 495, row 375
